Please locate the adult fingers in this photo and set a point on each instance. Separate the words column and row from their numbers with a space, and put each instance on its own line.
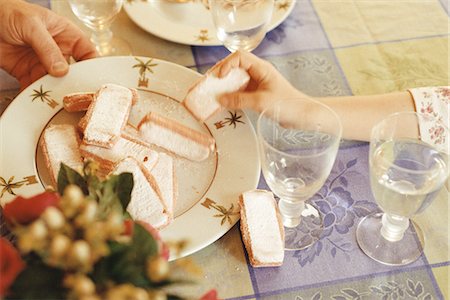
column 83, row 48
column 36, row 72
column 45, row 48
column 25, row 66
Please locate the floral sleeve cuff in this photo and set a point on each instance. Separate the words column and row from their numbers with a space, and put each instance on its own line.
column 435, row 102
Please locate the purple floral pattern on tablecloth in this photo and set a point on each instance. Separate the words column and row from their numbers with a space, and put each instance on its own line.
column 343, row 200
column 340, row 212
column 278, row 34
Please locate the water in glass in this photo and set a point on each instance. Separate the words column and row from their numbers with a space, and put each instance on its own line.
column 407, row 195
column 406, row 175
column 96, row 14
column 241, row 24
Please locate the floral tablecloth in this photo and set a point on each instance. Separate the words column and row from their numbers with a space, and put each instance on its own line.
column 328, row 47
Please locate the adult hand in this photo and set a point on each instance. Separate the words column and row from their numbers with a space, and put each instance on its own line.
column 35, row 41
column 266, row 84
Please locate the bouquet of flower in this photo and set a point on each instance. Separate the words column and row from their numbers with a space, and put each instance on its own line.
column 78, row 243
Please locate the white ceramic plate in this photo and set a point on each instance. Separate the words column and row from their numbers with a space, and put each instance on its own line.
column 208, row 191
column 187, row 23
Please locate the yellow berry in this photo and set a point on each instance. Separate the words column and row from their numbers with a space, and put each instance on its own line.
column 38, row 230
column 53, row 217
column 83, row 285
column 126, row 291
column 140, row 294
column 89, row 297
column 25, row 242
column 80, row 253
column 74, row 195
column 90, row 210
column 59, row 245
column 88, row 214
column 157, row 295
column 94, row 232
column 157, row 268
column 99, row 250
column 69, row 281
column 114, row 224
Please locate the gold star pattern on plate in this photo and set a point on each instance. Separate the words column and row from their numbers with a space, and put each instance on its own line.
column 203, row 36
column 283, row 5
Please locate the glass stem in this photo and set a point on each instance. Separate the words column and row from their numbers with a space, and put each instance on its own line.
column 102, row 38
column 291, row 212
column 393, row 227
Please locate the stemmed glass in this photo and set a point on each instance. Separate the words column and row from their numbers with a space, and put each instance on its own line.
column 299, row 140
column 241, row 24
column 98, row 16
column 406, row 174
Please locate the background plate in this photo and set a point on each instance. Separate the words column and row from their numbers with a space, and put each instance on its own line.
column 188, row 23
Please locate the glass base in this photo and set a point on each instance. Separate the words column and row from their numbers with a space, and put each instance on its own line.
column 374, row 245
column 236, row 42
column 241, row 47
column 116, row 47
column 307, row 232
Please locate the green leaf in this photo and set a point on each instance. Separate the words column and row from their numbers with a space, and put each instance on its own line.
column 124, row 187
column 102, row 272
column 107, row 197
column 115, row 193
column 38, row 281
column 94, row 186
column 127, row 216
column 68, row 176
column 143, row 243
column 127, row 263
column 132, row 267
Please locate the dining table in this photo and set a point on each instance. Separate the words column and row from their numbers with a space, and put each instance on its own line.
column 324, row 48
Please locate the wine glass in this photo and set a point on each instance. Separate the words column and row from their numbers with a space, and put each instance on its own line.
column 406, row 174
column 241, row 24
column 98, row 16
column 299, row 140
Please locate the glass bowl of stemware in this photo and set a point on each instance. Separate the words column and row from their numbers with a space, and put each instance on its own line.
column 406, row 174
column 298, row 142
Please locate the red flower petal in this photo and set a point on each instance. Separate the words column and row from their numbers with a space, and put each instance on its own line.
column 11, row 265
column 129, row 225
column 211, row 295
column 26, row 210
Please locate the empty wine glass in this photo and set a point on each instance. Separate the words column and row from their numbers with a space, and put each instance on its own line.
column 98, row 16
column 241, row 24
column 299, row 140
column 406, row 174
